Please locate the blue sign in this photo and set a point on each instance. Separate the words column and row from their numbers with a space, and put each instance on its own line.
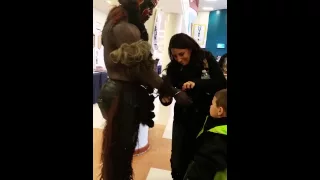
column 221, row 46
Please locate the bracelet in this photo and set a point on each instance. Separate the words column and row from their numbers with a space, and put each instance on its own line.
column 177, row 93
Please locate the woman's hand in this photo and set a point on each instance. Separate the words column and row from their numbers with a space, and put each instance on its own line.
column 166, row 100
column 188, row 85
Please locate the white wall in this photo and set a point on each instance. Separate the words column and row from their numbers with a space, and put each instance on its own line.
column 99, row 19
column 203, row 18
column 173, row 23
column 150, row 25
column 192, row 15
column 185, row 16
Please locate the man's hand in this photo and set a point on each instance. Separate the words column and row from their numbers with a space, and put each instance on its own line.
column 188, row 85
column 166, row 100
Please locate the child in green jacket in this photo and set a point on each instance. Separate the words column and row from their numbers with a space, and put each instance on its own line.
column 210, row 158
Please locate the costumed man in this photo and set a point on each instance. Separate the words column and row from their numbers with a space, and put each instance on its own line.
column 125, row 99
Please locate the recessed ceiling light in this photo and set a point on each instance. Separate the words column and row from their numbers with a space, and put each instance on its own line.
column 207, row 8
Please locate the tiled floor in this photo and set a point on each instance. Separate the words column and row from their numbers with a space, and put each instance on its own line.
column 155, row 163
column 158, row 174
column 98, row 121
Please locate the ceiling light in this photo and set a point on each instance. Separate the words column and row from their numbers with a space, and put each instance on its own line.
column 210, row 0
column 207, row 8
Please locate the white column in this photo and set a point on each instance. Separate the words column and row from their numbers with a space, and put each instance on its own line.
column 179, row 22
column 142, row 137
column 144, row 130
column 150, row 25
column 173, row 25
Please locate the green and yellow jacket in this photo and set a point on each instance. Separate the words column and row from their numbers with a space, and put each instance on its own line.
column 210, row 156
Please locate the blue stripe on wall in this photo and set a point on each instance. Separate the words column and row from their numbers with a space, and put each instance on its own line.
column 217, row 32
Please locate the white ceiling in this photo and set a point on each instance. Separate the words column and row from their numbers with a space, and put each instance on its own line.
column 104, row 5
column 215, row 4
column 171, row 6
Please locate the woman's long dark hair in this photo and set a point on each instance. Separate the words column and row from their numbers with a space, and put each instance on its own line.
column 183, row 41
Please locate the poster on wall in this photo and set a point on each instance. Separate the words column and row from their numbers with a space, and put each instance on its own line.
column 199, row 34
column 158, row 34
column 99, row 41
column 94, row 42
column 94, row 60
column 155, row 32
column 98, row 26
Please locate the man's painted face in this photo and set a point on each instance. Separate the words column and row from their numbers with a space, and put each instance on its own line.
column 146, row 8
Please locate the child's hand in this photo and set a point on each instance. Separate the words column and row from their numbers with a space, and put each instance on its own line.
column 188, row 85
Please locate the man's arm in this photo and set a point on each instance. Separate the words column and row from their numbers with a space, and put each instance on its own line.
column 135, row 54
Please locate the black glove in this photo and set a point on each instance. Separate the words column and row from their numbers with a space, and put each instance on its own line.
column 182, row 98
column 166, row 89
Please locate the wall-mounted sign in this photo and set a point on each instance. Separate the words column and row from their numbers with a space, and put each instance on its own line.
column 221, row 46
column 199, row 34
column 99, row 42
column 98, row 26
column 94, row 40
